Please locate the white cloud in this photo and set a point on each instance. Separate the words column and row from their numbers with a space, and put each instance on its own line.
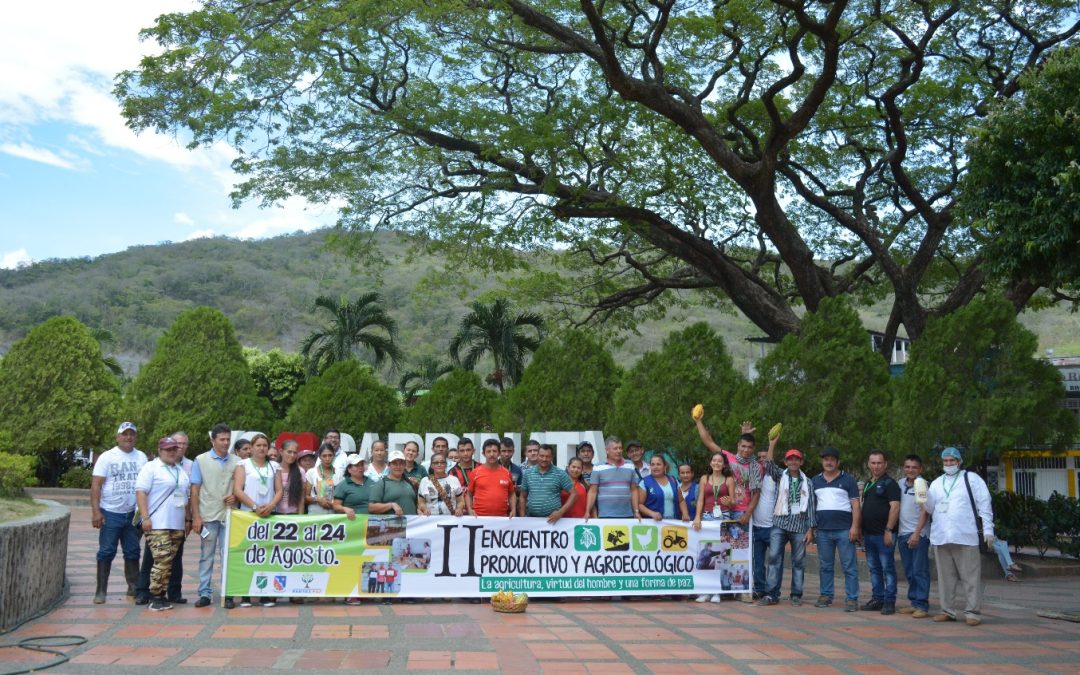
column 200, row 234
column 9, row 260
column 182, row 219
column 36, row 154
column 290, row 215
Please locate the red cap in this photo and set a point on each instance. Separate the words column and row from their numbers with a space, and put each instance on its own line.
column 793, row 453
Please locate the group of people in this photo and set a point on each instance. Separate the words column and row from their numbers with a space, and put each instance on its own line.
column 171, row 496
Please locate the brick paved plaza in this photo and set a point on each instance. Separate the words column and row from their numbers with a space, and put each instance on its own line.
column 552, row 637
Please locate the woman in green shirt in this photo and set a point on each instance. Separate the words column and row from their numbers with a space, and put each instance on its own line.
column 351, row 494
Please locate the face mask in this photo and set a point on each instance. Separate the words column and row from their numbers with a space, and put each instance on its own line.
column 952, row 469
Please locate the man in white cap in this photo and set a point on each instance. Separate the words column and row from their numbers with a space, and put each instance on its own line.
column 955, row 501
column 112, row 508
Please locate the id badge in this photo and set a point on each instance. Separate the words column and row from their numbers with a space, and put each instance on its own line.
column 178, row 499
column 943, row 507
column 263, row 491
column 717, row 512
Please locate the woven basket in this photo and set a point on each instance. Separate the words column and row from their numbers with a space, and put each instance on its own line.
column 515, row 607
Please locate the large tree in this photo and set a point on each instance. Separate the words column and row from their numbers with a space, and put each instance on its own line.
column 349, row 397
column 196, row 378
column 776, row 152
column 59, row 395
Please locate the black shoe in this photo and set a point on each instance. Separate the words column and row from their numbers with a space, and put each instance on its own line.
column 889, row 608
column 203, row 601
column 178, row 601
column 823, row 601
column 159, row 605
column 142, row 599
column 229, row 603
column 872, row 606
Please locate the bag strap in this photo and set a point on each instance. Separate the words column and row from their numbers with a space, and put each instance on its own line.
column 974, row 510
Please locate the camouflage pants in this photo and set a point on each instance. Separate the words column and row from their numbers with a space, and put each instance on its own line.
column 163, row 545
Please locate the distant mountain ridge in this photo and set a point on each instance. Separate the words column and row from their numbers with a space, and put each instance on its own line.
column 267, row 287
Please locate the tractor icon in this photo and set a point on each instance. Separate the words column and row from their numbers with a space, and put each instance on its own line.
column 674, row 540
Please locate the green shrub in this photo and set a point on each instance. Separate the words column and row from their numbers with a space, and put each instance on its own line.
column 16, row 473
column 346, row 396
column 78, row 477
column 458, row 403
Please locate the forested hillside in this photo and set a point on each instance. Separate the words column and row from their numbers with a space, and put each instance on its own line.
column 267, row 288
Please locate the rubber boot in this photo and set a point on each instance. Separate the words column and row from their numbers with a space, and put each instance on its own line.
column 131, row 573
column 103, row 568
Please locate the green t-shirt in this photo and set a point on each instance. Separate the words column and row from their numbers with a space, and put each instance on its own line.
column 418, row 472
column 400, row 492
column 353, row 495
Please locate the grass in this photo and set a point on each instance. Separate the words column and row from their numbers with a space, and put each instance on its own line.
column 17, row 508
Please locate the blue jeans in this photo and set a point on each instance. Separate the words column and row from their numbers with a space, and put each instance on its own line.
column 761, row 552
column 777, row 541
column 1001, row 548
column 118, row 530
column 829, row 543
column 211, row 544
column 879, row 558
column 916, row 562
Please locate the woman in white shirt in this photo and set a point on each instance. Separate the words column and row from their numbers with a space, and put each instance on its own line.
column 257, row 488
column 161, row 491
column 439, row 494
column 321, row 479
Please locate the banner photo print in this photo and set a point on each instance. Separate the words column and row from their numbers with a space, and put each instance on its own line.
column 447, row 556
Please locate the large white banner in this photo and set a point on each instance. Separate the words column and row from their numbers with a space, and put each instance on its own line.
column 445, row 556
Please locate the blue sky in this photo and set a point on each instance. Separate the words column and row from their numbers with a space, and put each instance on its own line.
column 74, row 181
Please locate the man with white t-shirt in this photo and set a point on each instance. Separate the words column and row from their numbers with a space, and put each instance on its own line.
column 112, row 508
column 142, row 589
column 162, row 490
column 762, row 530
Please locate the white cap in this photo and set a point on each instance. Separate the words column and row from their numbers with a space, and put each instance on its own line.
column 395, row 455
column 355, row 458
column 125, row 426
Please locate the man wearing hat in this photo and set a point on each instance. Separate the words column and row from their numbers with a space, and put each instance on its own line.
column 839, row 517
column 794, row 519
column 112, row 508
column 162, row 490
column 955, row 501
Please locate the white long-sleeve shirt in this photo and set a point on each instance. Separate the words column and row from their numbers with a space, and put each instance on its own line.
column 948, row 502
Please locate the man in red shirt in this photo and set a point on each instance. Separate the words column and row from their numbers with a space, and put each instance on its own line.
column 491, row 488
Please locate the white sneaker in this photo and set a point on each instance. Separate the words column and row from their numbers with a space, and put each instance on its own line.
column 702, row 598
column 715, row 598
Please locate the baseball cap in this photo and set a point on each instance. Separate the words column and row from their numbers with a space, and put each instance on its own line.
column 167, row 443
column 125, row 426
column 355, row 458
column 830, row 452
column 634, row 444
column 396, row 455
column 585, row 444
column 794, row 452
column 306, row 453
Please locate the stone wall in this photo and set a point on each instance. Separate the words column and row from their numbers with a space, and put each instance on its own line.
column 33, row 556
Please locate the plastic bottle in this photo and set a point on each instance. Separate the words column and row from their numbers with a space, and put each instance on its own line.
column 920, row 490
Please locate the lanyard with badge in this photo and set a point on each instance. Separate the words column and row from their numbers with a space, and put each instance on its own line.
column 944, row 506
column 717, row 510
column 179, row 500
column 264, row 488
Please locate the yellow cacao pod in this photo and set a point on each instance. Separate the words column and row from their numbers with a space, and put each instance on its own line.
column 698, row 412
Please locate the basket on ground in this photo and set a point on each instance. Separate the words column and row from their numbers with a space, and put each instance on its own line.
column 509, row 603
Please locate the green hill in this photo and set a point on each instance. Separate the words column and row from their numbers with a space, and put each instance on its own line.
column 267, row 287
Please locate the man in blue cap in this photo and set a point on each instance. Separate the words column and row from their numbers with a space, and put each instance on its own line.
column 955, row 501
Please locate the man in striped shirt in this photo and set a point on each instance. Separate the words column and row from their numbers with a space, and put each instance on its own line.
column 542, row 486
column 794, row 519
column 613, row 489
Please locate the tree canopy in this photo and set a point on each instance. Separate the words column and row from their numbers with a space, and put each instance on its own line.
column 196, row 378
column 277, row 376
column 570, row 383
column 59, row 394
column 769, row 152
column 359, row 324
column 973, row 383
column 654, row 400
column 1023, row 185
column 458, row 403
column 826, row 385
column 347, row 396
column 496, row 331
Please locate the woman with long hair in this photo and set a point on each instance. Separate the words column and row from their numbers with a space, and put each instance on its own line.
column 257, row 487
column 715, row 497
column 293, row 485
column 242, row 448
column 574, row 469
column 320, row 498
column 440, row 494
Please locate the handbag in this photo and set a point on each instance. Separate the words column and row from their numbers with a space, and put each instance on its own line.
column 983, row 548
column 136, row 520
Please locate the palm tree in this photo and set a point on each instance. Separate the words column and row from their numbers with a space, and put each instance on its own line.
column 423, row 376
column 350, row 326
column 490, row 329
column 106, row 339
